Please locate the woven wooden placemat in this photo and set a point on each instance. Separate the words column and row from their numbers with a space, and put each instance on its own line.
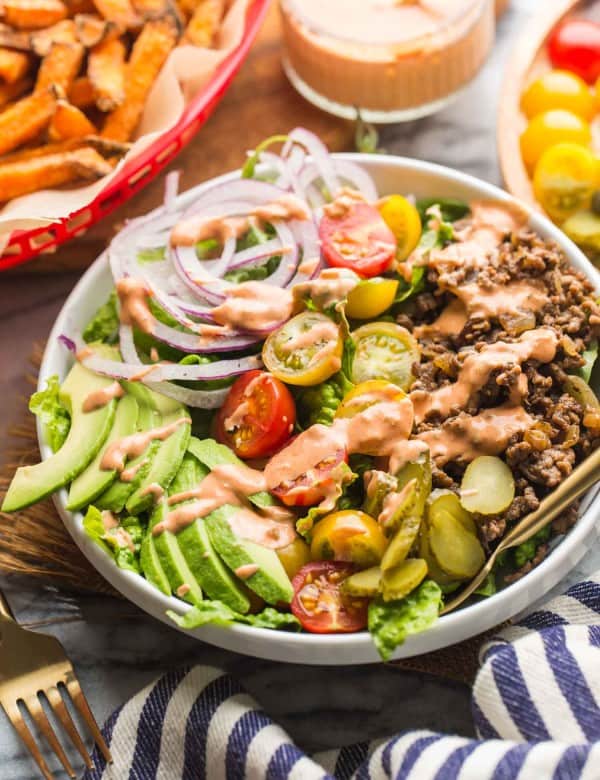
column 36, row 544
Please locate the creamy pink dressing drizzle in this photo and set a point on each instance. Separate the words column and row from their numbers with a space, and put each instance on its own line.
column 451, row 322
column 322, row 331
column 345, row 199
column 254, row 306
column 194, row 229
column 331, row 286
column 133, row 304
column 131, row 446
column 231, row 484
column 539, row 344
column 246, row 571
column 183, row 590
column 128, row 475
column 99, row 398
column 492, row 301
column 155, row 490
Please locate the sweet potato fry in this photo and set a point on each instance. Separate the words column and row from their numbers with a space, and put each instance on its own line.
column 104, row 146
column 205, row 23
column 118, row 11
column 148, row 55
column 69, row 122
column 81, row 93
column 14, row 39
column 80, row 7
column 13, row 91
column 60, row 66
column 106, row 71
column 61, row 32
column 155, row 9
column 13, row 65
column 32, row 14
column 92, row 30
column 26, row 118
column 25, row 176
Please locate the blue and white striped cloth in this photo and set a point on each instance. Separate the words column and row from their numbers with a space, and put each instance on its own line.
column 536, row 707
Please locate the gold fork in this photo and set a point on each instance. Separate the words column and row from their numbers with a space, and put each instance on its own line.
column 574, row 486
column 34, row 670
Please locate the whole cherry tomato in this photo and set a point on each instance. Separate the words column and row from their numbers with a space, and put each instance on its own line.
column 575, row 45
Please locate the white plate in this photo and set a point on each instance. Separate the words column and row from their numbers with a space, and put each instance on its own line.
column 391, row 174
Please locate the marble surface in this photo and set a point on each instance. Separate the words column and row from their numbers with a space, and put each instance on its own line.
column 117, row 649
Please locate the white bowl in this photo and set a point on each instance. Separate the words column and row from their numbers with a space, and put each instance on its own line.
column 391, row 174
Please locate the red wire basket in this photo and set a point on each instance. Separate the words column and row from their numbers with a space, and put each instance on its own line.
column 26, row 244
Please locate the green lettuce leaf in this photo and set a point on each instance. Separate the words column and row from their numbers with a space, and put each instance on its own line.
column 55, row 419
column 526, row 551
column 488, row 587
column 220, row 614
column 590, row 356
column 104, row 325
column 249, row 168
column 417, row 284
column 451, row 209
column 392, row 621
column 318, row 404
column 112, row 542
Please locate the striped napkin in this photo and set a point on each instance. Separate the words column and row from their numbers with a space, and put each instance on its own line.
column 535, row 706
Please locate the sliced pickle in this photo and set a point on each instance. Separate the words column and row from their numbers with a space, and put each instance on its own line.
column 398, row 582
column 362, row 584
column 419, row 469
column 378, row 485
column 398, row 506
column 402, row 542
column 436, row 574
column 581, row 392
column 488, row 486
column 458, row 552
column 449, row 502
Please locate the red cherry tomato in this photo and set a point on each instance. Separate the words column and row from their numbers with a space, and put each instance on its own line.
column 575, row 45
column 359, row 240
column 257, row 417
column 310, row 489
column 319, row 604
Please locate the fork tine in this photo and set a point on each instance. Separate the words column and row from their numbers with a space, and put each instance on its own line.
column 40, row 718
column 80, row 701
column 22, row 730
column 64, row 716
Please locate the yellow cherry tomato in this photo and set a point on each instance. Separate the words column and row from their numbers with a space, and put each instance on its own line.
column 384, row 350
column 294, row 556
column 404, row 221
column 550, row 128
column 558, row 89
column 371, row 298
column 351, row 536
column 565, row 179
column 369, row 393
column 305, row 350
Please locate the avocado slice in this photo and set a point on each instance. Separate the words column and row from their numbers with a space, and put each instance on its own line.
column 270, row 580
column 95, row 480
column 115, row 498
column 211, row 454
column 151, row 565
column 87, row 434
column 166, row 460
column 214, row 577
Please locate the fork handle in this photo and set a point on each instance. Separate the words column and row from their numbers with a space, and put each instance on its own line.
column 5, row 610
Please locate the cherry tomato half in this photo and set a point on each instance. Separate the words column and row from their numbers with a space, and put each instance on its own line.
column 558, row 89
column 306, row 350
column 575, row 45
column 371, row 298
column 565, row 179
column 319, row 604
column 349, row 535
column 257, row 417
column 366, row 394
column 360, row 240
column 384, row 350
column 550, row 128
column 310, row 488
column 404, row 221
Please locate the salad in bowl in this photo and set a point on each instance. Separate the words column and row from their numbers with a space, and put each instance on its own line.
column 305, row 407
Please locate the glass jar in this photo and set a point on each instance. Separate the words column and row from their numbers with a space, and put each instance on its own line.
column 393, row 60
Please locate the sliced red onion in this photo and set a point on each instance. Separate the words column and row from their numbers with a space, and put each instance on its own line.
column 198, row 399
column 260, row 252
column 250, row 190
column 171, row 190
column 159, row 372
column 320, row 154
column 356, row 177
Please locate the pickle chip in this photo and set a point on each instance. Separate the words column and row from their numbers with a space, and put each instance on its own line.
column 398, row 582
column 488, row 486
column 458, row 552
column 402, row 542
column 362, row 584
column 449, row 502
column 579, row 389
